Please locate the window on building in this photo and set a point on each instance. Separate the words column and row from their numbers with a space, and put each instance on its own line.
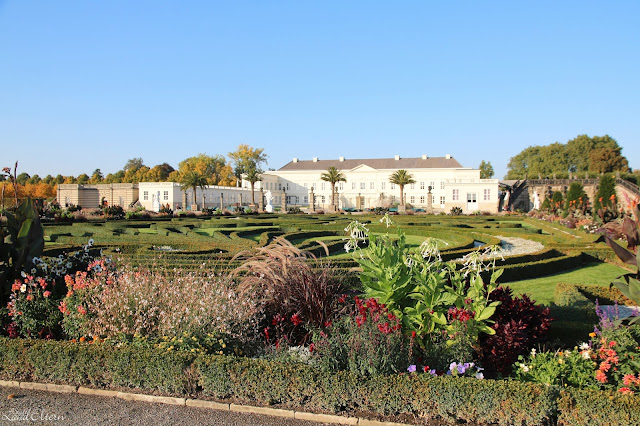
column 393, row 186
column 421, row 185
column 145, row 195
column 487, row 195
column 287, row 186
column 442, row 185
column 279, row 187
column 341, row 186
column 322, row 199
column 471, row 197
column 442, row 200
column 456, row 195
column 422, row 199
column 372, row 185
column 322, row 186
column 353, row 185
column 413, row 186
column 433, row 199
column 432, row 185
column 306, row 199
column 166, row 195
column 363, row 185
column 412, row 199
column 383, row 185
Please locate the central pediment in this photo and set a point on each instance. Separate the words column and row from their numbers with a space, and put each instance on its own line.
column 363, row 168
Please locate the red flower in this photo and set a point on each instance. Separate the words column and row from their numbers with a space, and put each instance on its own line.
column 296, row 320
column 413, row 334
column 626, row 391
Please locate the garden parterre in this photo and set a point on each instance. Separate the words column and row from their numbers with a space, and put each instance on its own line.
column 409, row 313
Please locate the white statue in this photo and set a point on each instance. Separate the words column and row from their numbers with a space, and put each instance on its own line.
column 268, row 197
column 155, row 202
column 536, row 201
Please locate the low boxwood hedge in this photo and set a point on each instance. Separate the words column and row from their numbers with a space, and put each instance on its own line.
column 303, row 387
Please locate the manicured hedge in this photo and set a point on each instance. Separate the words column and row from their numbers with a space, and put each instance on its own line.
column 303, row 387
column 575, row 294
column 592, row 407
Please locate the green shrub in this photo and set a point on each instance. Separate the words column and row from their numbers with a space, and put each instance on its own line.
column 304, row 387
column 566, row 294
column 594, row 408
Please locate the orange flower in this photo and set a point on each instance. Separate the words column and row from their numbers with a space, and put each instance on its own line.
column 625, row 391
column 601, row 377
column 82, row 339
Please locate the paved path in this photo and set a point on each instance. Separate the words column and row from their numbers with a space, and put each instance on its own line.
column 50, row 408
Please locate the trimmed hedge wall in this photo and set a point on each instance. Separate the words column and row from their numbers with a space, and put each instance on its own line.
column 303, row 387
column 576, row 294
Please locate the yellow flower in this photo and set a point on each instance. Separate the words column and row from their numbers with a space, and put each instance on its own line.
column 592, row 334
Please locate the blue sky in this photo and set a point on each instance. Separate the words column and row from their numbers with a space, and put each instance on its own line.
column 88, row 84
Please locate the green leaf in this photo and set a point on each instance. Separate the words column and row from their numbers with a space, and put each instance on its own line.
column 485, row 314
column 25, row 228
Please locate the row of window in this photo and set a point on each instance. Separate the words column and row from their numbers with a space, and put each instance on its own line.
column 354, row 185
column 145, row 195
column 471, row 196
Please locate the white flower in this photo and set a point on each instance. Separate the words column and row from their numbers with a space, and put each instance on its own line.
column 585, row 354
column 386, row 220
column 23, row 288
column 584, row 346
column 533, row 353
column 524, row 368
column 567, row 353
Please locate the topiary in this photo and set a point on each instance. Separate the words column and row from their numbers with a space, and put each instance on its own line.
column 520, row 324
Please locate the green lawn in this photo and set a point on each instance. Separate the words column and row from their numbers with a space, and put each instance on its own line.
column 541, row 289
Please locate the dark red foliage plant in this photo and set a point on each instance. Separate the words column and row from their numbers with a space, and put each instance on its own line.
column 520, row 325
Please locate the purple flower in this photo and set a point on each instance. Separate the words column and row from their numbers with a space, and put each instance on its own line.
column 411, row 369
column 462, row 368
column 432, row 372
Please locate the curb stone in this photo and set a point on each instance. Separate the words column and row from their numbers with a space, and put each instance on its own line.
column 326, row 418
column 97, row 392
column 262, row 410
column 9, row 383
column 207, row 404
column 33, row 385
column 151, row 398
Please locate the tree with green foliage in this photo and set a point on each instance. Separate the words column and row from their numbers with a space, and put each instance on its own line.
column 333, row 176
column 486, row 170
column 193, row 179
column 606, row 195
column 213, row 167
column 598, row 154
column 96, row 176
column 245, row 159
column 401, row 178
column 133, row 164
column 557, row 201
column 577, row 197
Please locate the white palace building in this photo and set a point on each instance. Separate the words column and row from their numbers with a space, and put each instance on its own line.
column 367, row 186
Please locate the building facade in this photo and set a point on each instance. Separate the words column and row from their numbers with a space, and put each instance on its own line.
column 443, row 180
column 93, row 196
column 153, row 195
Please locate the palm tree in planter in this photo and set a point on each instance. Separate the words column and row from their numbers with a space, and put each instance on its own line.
column 193, row 179
column 253, row 176
column 333, row 176
column 401, row 178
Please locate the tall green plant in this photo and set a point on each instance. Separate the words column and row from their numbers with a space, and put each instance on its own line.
column 21, row 239
column 421, row 289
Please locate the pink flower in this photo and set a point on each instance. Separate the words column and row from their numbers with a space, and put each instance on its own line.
column 46, row 293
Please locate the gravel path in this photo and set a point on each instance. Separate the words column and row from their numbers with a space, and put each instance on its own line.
column 513, row 246
column 50, row 408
